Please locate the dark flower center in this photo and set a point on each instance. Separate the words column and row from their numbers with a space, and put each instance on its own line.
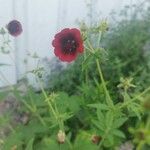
column 69, row 45
column 13, row 27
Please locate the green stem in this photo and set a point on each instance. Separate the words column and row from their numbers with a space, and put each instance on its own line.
column 11, row 128
column 105, row 136
column 59, row 118
column 69, row 143
column 4, row 40
column 32, row 109
column 135, row 98
column 23, row 101
column 148, row 122
column 47, row 98
column 60, row 122
column 140, row 145
column 99, row 39
column 86, row 71
column 103, row 139
column 87, row 48
column 90, row 46
column 108, row 98
column 41, row 120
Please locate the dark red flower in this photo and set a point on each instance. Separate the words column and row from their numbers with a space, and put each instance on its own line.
column 14, row 28
column 68, row 43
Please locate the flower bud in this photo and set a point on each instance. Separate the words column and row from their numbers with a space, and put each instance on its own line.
column 95, row 139
column 61, row 137
column 83, row 27
column 14, row 147
column 126, row 83
column 103, row 27
column 14, row 28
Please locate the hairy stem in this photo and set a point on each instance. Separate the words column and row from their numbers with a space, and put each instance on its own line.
column 48, row 100
column 135, row 98
column 108, row 98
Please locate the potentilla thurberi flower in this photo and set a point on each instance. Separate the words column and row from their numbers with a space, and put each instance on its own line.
column 14, row 28
column 68, row 43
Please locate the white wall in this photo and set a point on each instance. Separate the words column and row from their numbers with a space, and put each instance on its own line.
column 9, row 73
column 41, row 19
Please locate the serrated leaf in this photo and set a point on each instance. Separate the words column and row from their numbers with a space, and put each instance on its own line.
column 109, row 141
column 119, row 122
column 109, row 119
column 49, row 143
column 136, row 109
column 100, row 115
column 99, row 125
column 118, row 133
column 13, row 140
column 99, row 106
column 74, row 104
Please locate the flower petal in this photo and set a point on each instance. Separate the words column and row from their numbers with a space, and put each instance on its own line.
column 67, row 44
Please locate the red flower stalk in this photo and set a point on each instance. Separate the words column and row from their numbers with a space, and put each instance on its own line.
column 67, row 44
column 14, row 28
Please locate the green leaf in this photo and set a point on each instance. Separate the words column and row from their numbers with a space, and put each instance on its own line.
column 99, row 106
column 126, row 97
column 83, row 142
column 109, row 119
column 135, row 109
column 13, row 140
column 74, row 104
column 30, row 144
column 49, row 143
column 119, row 122
column 86, row 62
column 118, row 133
column 99, row 125
column 100, row 115
column 33, row 128
column 109, row 141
